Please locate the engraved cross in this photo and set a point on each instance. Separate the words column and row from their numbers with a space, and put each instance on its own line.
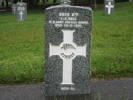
column 67, row 51
column 21, row 15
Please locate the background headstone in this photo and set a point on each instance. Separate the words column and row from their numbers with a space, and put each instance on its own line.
column 14, row 9
column 68, row 44
column 21, row 12
column 109, row 6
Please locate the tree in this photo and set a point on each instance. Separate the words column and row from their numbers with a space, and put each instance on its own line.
column 44, row 2
column 7, row 3
column 54, row 1
column 95, row 4
column 74, row 2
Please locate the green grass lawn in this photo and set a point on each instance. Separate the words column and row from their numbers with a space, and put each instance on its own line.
column 22, row 46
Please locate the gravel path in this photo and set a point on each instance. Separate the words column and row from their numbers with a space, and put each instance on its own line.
column 101, row 90
column 113, row 90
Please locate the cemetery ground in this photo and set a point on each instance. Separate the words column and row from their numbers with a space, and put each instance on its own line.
column 22, row 46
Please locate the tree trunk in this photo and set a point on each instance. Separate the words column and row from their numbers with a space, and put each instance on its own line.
column 37, row 1
column 95, row 4
column 75, row 2
column 54, row 1
column 6, row 3
column 2, row 3
column 44, row 2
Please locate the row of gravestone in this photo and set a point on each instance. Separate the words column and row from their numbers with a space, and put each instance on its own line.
column 20, row 9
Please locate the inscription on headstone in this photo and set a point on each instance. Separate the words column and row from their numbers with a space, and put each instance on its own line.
column 21, row 11
column 68, row 42
column 109, row 6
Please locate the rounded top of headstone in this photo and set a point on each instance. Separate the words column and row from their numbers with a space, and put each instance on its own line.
column 65, row 1
column 21, row 3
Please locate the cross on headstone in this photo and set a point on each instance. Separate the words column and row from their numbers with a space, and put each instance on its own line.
column 109, row 7
column 21, row 15
column 21, row 11
column 67, row 51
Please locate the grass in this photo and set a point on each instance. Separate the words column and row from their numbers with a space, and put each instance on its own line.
column 22, row 46
column 113, row 43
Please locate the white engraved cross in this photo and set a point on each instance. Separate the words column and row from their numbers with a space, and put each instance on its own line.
column 67, row 51
column 21, row 15
column 109, row 6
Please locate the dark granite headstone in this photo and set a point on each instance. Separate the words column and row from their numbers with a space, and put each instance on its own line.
column 14, row 9
column 21, row 12
column 109, row 6
column 68, row 43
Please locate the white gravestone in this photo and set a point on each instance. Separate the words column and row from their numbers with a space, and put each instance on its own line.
column 21, row 11
column 109, row 6
column 21, row 15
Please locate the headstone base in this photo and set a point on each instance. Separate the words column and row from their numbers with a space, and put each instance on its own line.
column 53, row 90
column 70, row 97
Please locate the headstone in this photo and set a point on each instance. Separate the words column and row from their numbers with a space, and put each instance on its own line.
column 14, row 9
column 109, row 6
column 21, row 12
column 68, row 44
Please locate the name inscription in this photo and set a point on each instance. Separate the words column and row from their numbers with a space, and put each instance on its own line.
column 69, row 20
column 67, row 88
